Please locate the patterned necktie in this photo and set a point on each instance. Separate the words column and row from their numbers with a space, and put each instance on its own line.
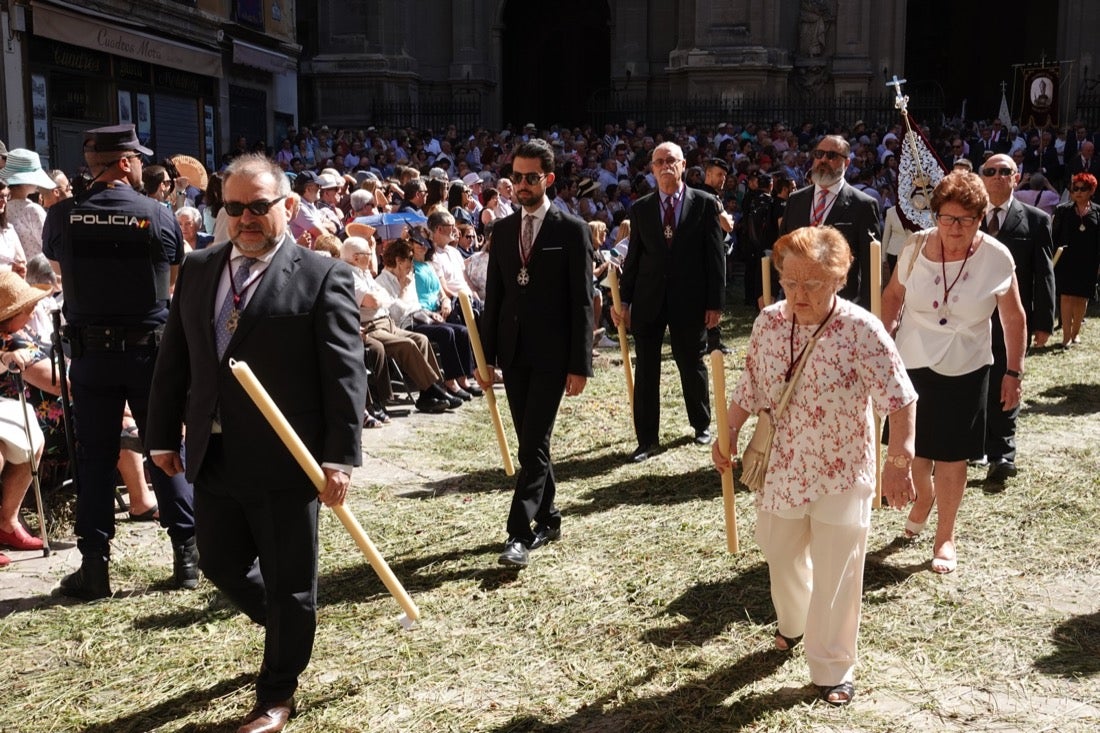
column 819, row 210
column 670, row 219
column 222, row 330
column 527, row 237
column 994, row 224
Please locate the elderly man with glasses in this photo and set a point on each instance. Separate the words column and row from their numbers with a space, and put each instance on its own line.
column 1025, row 230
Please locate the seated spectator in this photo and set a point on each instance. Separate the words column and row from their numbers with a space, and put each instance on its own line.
column 446, row 262
column 458, row 202
column 190, row 221
column 411, row 351
column 477, row 264
column 451, row 340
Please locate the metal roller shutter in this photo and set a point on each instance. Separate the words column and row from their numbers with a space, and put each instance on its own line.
column 177, row 126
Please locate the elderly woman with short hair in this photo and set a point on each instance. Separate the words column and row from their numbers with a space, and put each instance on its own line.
column 190, row 221
column 950, row 279
column 814, row 508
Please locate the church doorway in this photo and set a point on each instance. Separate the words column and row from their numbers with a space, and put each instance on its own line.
column 554, row 60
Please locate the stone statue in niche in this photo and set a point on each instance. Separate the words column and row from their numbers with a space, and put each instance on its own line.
column 813, row 23
column 810, row 79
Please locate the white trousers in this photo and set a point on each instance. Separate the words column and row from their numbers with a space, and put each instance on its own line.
column 816, row 572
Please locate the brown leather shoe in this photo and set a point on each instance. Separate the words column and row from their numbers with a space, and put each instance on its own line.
column 268, row 717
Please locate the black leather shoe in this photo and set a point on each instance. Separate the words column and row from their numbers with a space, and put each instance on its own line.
column 702, row 437
column 999, row 472
column 642, row 452
column 90, row 582
column 474, row 389
column 185, row 566
column 460, row 393
column 426, row 403
column 545, row 536
column 515, row 554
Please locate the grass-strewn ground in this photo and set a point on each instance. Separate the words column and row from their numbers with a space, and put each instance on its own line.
column 638, row 620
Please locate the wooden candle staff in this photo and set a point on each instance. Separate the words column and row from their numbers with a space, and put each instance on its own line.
column 487, row 375
column 624, row 345
column 297, row 448
column 876, row 309
column 718, row 375
column 766, row 278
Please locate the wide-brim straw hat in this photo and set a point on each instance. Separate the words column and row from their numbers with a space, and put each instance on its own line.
column 16, row 295
column 24, row 168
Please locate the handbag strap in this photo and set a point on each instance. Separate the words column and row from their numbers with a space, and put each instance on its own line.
column 789, row 390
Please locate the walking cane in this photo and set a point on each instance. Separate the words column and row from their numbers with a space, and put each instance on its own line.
column 17, row 376
column 766, row 278
column 297, row 448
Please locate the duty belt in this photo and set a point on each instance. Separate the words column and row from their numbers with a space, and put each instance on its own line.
column 83, row 339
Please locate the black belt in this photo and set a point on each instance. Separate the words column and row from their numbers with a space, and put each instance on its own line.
column 111, row 338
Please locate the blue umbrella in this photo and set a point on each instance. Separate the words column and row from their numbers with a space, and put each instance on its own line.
column 389, row 225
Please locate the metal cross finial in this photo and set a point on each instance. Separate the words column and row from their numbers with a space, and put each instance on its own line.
column 1003, row 85
column 901, row 101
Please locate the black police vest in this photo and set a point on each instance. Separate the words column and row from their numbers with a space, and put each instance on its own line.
column 119, row 272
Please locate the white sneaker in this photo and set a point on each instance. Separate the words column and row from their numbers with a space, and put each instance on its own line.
column 606, row 343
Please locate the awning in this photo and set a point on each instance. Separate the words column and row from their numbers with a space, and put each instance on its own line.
column 102, row 34
column 260, row 58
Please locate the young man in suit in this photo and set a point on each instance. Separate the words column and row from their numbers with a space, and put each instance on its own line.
column 830, row 200
column 537, row 327
column 1025, row 230
column 290, row 314
column 674, row 277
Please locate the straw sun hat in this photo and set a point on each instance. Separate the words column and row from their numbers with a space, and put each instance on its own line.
column 16, row 295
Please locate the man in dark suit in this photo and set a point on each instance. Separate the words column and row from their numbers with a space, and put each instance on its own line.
column 291, row 316
column 537, row 327
column 674, row 277
column 830, row 200
column 1025, row 230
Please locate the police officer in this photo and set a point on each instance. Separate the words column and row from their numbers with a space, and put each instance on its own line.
column 117, row 252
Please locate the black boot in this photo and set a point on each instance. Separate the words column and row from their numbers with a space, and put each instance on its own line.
column 185, row 568
column 90, row 582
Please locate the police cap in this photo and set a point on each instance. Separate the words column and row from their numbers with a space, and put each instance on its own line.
column 113, row 139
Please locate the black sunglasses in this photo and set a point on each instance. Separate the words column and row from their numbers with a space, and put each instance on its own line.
column 1076, row 189
column 531, row 178
column 830, row 154
column 990, row 172
column 259, row 208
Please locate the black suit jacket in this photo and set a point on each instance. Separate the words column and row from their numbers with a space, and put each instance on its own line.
column 855, row 215
column 1026, row 232
column 689, row 277
column 548, row 322
column 299, row 333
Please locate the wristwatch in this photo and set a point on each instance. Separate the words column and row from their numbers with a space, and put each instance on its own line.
column 899, row 461
column 1014, row 374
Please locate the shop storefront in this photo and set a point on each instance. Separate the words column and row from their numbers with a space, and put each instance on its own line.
column 88, row 70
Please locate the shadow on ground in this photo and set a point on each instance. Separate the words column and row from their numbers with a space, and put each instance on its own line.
column 1078, row 653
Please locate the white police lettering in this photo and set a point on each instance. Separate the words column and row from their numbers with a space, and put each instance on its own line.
column 108, row 219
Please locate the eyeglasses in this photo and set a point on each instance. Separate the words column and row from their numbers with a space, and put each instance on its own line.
column 530, row 178
column 131, row 156
column 165, row 182
column 949, row 221
column 258, row 208
column 662, row 162
column 1078, row 189
column 830, row 154
column 990, row 172
column 468, row 236
column 810, row 286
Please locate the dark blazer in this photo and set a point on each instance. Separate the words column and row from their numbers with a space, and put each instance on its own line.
column 299, row 333
column 1026, row 233
column 855, row 215
column 558, row 297
column 689, row 277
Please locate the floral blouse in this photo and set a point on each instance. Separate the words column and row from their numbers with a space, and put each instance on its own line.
column 824, row 440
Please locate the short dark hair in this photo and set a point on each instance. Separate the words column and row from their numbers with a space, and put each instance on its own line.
column 718, row 163
column 398, row 249
column 539, row 150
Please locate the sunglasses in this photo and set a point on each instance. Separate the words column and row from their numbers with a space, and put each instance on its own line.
column 530, row 178
column 990, row 172
column 1077, row 189
column 830, row 154
column 258, row 208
